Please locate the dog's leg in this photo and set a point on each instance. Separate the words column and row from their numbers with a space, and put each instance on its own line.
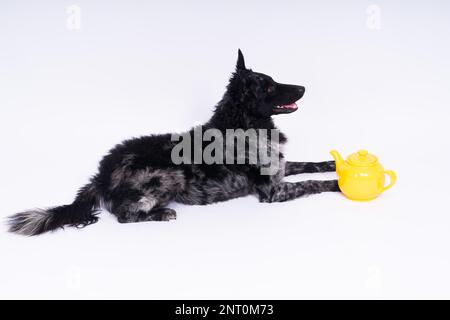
column 286, row 191
column 145, row 195
column 157, row 214
column 133, row 206
column 309, row 167
column 162, row 214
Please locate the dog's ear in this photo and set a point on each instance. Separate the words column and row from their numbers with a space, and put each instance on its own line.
column 240, row 64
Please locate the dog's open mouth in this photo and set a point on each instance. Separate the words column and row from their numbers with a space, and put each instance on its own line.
column 287, row 108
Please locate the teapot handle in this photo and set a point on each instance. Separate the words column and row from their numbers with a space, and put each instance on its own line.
column 393, row 178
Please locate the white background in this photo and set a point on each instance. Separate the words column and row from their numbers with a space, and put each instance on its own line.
column 141, row 67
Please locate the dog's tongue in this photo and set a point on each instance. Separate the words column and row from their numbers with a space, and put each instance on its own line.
column 290, row 106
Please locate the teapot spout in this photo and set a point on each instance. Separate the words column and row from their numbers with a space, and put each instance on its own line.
column 338, row 159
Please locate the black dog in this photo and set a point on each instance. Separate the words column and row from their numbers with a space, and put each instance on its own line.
column 138, row 179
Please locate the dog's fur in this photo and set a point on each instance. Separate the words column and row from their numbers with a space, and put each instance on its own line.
column 137, row 179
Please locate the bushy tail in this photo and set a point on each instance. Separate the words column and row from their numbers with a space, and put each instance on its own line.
column 80, row 213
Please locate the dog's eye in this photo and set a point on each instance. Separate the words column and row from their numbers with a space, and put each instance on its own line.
column 270, row 89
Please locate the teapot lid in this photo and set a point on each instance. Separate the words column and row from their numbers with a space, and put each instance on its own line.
column 362, row 158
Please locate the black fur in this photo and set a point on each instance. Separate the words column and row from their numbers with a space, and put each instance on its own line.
column 137, row 178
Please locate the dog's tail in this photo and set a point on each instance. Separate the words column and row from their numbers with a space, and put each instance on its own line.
column 82, row 212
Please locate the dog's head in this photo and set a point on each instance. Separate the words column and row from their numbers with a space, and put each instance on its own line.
column 260, row 94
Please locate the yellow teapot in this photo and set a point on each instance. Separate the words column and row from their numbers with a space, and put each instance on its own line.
column 361, row 176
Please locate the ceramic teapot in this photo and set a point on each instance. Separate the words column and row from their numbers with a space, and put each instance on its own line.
column 361, row 177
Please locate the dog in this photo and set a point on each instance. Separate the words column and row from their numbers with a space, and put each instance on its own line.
column 138, row 178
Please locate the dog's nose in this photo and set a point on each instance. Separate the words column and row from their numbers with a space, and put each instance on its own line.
column 301, row 91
